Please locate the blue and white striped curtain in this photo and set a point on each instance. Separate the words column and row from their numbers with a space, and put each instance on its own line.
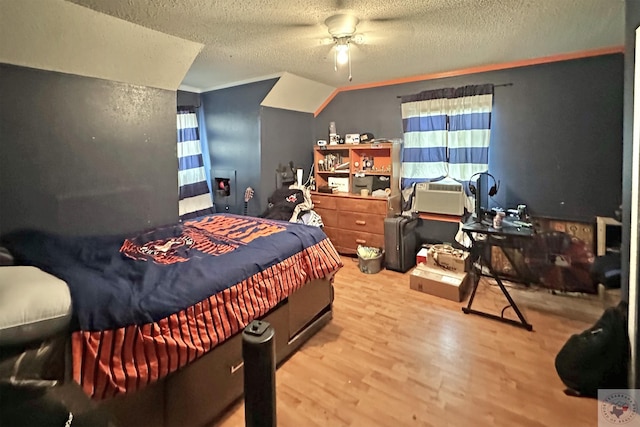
column 446, row 134
column 194, row 196
column 424, row 121
column 469, row 131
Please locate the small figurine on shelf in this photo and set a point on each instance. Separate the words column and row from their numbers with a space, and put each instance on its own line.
column 367, row 163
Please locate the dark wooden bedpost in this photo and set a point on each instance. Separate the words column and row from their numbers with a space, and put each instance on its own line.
column 259, row 354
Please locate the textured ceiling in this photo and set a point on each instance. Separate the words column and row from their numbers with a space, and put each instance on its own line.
column 248, row 40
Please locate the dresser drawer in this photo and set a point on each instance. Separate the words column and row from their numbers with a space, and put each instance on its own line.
column 375, row 206
column 364, row 222
column 351, row 239
column 329, row 217
column 324, row 202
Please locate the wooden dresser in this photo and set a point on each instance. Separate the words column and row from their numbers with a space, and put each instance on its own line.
column 351, row 220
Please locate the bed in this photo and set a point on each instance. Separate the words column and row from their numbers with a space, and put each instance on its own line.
column 156, row 315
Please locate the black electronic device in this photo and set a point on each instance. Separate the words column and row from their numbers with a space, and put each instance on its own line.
column 479, row 196
column 480, row 193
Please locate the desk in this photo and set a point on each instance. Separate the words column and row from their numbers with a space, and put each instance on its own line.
column 483, row 237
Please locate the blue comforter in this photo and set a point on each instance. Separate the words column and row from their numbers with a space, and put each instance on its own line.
column 122, row 280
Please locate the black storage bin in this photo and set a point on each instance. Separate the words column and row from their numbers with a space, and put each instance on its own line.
column 380, row 182
column 362, row 183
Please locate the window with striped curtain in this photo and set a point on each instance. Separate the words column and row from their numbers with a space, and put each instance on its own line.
column 194, row 196
column 446, row 134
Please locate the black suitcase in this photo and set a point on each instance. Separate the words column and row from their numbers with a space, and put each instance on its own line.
column 400, row 243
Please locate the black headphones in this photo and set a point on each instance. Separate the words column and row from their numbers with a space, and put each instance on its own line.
column 492, row 191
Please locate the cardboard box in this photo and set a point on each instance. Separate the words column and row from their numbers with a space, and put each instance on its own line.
column 439, row 282
column 447, row 258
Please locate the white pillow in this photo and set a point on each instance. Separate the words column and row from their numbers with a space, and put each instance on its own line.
column 34, row 305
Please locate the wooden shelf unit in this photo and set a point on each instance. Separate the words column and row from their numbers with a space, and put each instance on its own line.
column 363, row 159
column 349, row 218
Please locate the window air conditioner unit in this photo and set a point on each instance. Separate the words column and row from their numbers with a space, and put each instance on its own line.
column 440, row 198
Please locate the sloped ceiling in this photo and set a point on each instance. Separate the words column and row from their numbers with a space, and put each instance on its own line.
column 292, row 92
column 245, row 40
column 60, row 36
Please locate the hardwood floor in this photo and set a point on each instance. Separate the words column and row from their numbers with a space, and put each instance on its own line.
column 393, row 356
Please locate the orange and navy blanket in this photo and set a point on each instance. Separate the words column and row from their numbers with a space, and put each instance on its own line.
column 147, row 304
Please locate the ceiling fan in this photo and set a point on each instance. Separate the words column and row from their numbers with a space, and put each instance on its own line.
column 344, row 34
column 342, row 28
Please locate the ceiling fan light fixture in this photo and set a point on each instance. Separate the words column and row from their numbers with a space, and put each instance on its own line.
column 342, row 57
column 342, row 28
column 342, row 51
column 341, row 25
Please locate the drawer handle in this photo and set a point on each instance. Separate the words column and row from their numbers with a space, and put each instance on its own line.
column 362, row 242
column 316, row 202
column 234, row 369
column 361, row 222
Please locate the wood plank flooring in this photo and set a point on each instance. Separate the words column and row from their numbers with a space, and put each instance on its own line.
column 393, row 356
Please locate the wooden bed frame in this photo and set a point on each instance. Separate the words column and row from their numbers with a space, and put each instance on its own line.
column 198, row 394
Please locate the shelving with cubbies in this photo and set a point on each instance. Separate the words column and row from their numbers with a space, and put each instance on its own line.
column 371, row 160
column 329, row 161
column 355, row 161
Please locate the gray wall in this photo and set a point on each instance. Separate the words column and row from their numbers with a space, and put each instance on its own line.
column 285, row 137
column 556, row 139
column 252, row 141
column 232, row 125
column 81, row 155
column 551, row 131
